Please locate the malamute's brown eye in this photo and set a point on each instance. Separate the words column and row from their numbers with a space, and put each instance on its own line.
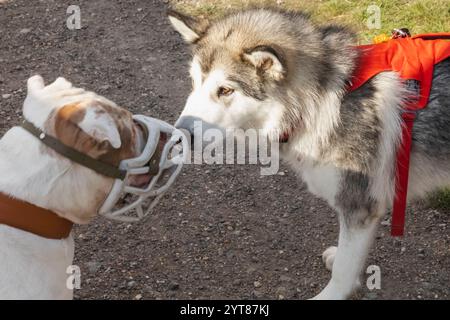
column 224, row 91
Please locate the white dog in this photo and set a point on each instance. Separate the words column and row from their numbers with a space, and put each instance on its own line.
column 42, row 192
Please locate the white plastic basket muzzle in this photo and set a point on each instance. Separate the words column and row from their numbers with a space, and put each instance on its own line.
column 173, row 155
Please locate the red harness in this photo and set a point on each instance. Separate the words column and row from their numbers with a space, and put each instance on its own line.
column 413, row 58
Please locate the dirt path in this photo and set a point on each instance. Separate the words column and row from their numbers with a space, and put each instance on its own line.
column 223, row 231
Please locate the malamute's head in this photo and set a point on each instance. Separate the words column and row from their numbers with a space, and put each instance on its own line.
column 260, row 68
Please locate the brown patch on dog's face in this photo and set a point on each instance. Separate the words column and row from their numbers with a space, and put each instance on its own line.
column 63, row 124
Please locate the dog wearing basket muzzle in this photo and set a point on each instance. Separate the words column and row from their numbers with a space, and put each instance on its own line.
column 76, row 155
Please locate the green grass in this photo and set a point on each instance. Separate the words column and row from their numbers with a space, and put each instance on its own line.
column 440, row 200
column 418, row 15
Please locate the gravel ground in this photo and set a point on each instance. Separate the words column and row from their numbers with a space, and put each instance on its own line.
column 223, row 231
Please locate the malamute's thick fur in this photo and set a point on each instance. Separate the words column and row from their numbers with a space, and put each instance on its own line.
column 271, row 69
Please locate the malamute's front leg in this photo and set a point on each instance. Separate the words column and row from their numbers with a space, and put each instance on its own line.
column 349, row 257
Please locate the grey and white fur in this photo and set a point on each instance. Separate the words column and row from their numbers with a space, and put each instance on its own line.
column 271, row 69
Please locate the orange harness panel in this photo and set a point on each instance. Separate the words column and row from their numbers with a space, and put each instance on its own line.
column 413, row 58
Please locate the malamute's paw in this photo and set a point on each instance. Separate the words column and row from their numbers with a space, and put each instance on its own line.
column 332, row 292
column 328, row 257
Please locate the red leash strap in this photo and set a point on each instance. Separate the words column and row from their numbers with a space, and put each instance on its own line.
column 402, row 175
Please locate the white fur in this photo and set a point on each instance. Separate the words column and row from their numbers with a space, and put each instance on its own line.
column 322, row 180
column 389, row 100
column 318, row 115
column 196, row 73
column 302, row 150
column 188, row 34
column 101, row 127
column 328, row 257
column 258, row 58
column 33, row 267
column 348, row 258
column 320, row 121
column 348, row 261
column 235, row 111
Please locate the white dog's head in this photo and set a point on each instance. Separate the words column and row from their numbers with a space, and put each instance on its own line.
column 82, row 120
column 88, row 123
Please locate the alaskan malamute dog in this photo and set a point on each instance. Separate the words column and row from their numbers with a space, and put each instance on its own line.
column 272, row 69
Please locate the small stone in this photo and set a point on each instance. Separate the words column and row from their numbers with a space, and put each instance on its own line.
column 25, row 30
column 251, row 269
column 6, row 96
column 257, row 294
column 237, row 282
column 284, row 278
column 174, row 286
column 371, row 296
column 131, row 284
column 148, row 289
column 230, row 255
column 93, row 266
column 288, row 292
column 257, row 284
column 138, row 297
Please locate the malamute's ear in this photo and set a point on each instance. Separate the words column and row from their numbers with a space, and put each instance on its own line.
column 192, row 29
column 267, row 60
